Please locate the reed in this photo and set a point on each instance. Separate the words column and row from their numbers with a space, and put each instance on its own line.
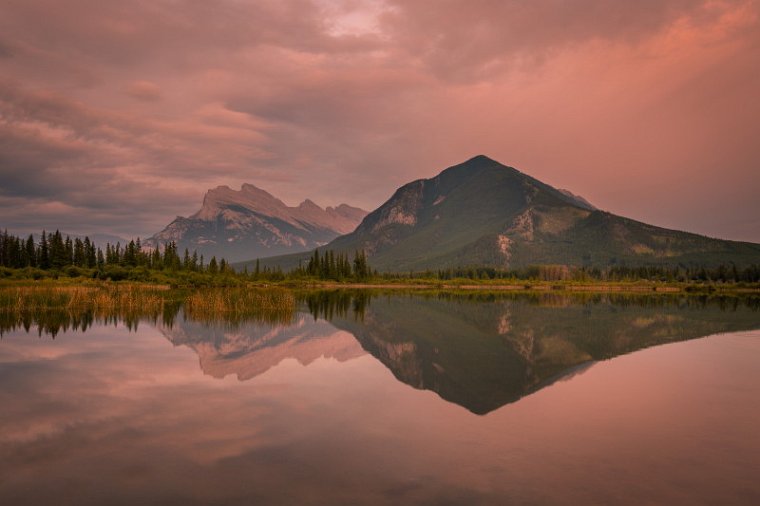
column 235, row 305
column 57, row 308
column 60, row 307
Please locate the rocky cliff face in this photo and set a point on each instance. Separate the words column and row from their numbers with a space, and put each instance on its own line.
column 250, row 223
column 483, row 213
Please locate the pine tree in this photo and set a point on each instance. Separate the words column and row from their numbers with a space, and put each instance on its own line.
column 79, row 254
column 212, row 266
column 68, row 247
column 43, row 259
column 155, row 259
column 89, row 247
column 361, row 269
column 31, row 252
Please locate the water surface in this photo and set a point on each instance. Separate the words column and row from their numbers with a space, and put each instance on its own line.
column 389, row 399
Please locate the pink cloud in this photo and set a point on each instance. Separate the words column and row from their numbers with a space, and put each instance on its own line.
column 143, row 90
column 648, row 109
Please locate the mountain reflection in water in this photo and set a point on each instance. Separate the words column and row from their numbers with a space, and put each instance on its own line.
column 478, row 351
column 315, row 405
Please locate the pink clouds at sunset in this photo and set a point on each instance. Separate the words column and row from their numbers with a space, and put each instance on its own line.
column 117, row 116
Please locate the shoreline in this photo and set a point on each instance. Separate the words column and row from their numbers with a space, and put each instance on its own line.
column 516, row 286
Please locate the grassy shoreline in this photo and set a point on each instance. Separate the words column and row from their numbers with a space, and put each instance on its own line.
column 592, row 286
column 55, row 305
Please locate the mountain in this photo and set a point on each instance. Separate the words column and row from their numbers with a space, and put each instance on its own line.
column 252, row 223
column 483, row 213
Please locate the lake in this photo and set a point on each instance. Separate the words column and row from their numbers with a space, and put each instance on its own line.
column 387, row 398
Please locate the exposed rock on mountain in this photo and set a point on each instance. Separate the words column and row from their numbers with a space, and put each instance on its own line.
column 252, row 223
column 483, row 213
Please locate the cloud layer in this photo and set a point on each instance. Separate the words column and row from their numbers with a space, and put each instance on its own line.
column 117, row 116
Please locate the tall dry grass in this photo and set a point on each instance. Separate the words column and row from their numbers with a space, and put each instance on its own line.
column 53, row 309
column 236, row 305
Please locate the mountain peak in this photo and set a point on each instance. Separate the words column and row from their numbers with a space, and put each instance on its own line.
column 483, row 213
column 251, row 222
column 309, row 204
column 250, row 197
column 479, row 165
column 481, row 159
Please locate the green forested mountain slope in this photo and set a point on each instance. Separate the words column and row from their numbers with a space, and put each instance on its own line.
column 483, row 213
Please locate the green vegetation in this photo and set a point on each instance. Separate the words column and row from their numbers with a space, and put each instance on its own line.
column 481, row 213
column 58, row 260
column 55, row 308
column 55, row 257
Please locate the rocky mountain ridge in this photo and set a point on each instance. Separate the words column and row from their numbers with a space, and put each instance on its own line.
column 485, row 214
column 251, row 222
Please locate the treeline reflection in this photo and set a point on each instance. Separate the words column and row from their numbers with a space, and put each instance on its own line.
column 50, row 311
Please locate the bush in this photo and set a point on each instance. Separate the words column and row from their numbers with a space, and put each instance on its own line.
column 114, row 273
column 139, row 274
column 73, row 271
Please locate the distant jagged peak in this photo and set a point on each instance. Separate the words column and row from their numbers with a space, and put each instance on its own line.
column 256, row 199
column 346, row 207
column 309, row 204
column 251, row 222
column 249, row 197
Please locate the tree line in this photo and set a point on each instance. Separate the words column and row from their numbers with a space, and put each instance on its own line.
column 726, row 273
column 336, row 266
column 54, row 252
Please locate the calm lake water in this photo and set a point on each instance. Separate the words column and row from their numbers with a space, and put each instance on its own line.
column 389, row 399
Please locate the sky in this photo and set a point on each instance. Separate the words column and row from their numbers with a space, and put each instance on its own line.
column 117, row 116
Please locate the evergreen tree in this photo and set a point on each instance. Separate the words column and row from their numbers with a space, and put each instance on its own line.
column 43, row 259
column 361, row 269
column 68, row 247
column 79, row 253
column 130, row 254
column 31, row 251
column 156, row 261
column 100, row 261
column 91, row 254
